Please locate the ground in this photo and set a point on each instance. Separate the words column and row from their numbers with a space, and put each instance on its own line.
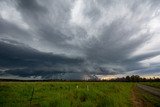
column 75, row 94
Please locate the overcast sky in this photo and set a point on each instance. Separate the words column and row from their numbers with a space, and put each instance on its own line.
column 79, row 39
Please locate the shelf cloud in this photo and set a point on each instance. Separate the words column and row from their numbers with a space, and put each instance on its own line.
column 78, row 39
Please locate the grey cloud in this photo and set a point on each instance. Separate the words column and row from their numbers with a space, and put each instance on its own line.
column 10, row 30
column 23, row 61
column 24, row 56
column 148, row 71
column 30, row 5
column 47, row 23
column 114, row 43
column 92, row 11
column 142, row 57
column 83, row 38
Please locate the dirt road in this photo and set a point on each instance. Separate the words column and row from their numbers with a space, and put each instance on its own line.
column 152, row 90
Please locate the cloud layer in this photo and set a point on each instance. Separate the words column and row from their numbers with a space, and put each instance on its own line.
column 78, row 38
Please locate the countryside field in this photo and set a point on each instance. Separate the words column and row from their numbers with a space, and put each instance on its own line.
column 70, row 94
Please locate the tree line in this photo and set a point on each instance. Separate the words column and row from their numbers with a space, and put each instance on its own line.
column 133, row 78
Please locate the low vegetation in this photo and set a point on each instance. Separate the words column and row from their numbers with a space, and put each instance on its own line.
column 65, row 94
column 76, row 94
column 153, row 84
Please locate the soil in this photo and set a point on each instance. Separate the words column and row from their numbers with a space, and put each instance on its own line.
column 137, row 99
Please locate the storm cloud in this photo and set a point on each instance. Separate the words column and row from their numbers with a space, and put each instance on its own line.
column 78, row 39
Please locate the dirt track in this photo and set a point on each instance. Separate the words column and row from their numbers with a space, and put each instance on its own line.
column 152, row 90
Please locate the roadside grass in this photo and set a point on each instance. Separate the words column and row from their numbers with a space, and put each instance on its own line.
column 153, row 84
column 146, row 99
column 65, row 94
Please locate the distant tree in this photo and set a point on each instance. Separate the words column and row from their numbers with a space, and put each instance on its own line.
column 128, row 79
column 135, row 78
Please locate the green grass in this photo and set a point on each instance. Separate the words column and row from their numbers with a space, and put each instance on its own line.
column 153, row 84
column 65, row 94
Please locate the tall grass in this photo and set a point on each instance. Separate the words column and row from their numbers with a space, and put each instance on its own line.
column 65, row 94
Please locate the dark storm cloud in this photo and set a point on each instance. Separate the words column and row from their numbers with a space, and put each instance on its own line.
column 31, row 5
column 47, row 22
column 25, row 61
column 78, row 38
column 21, row 55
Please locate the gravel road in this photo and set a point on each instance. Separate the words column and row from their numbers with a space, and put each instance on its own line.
column 152, row 90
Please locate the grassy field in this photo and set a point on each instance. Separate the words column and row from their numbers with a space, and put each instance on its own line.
column 75, row 94
column 153, row 84
column 65, row 94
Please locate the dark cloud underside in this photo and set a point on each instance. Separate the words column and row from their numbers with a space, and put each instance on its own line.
column 79, row 39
